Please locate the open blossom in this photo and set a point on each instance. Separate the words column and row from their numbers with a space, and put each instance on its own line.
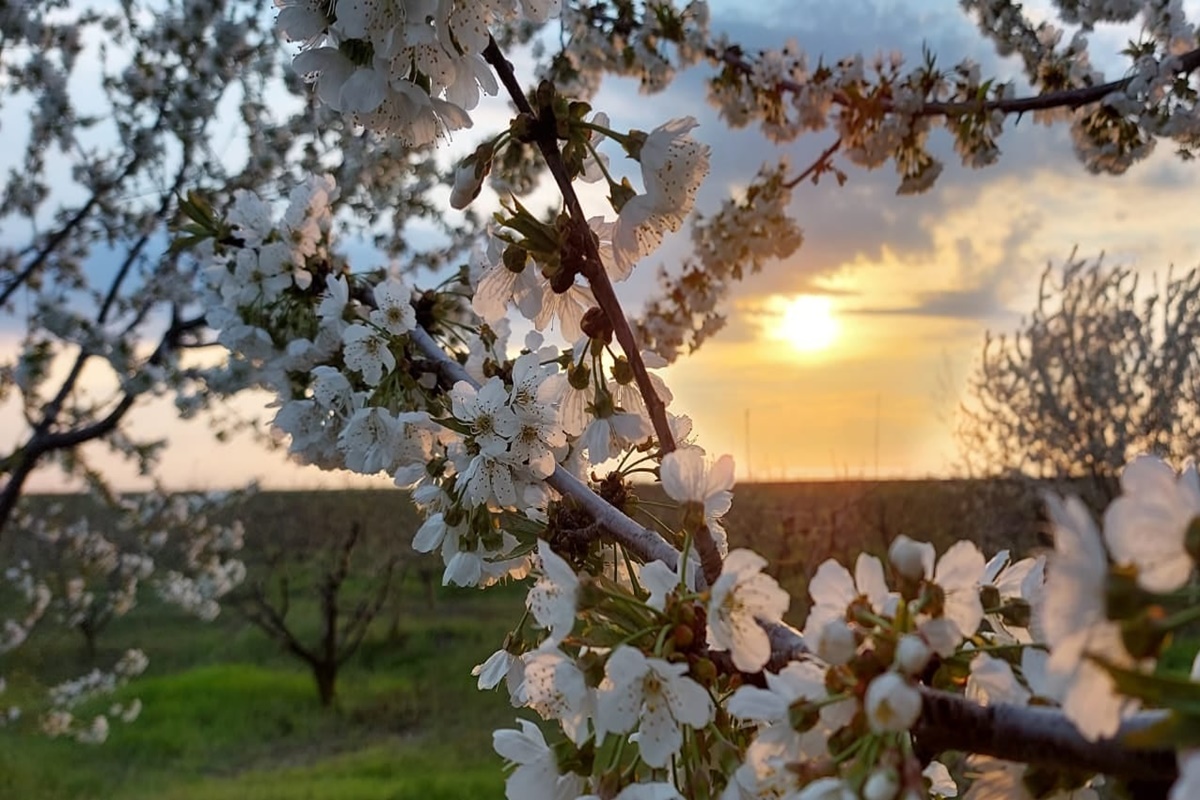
column 689, row 477
column 673, row 166
column 487, row 413
column 556, row 689
column 536, row 776
column 1147, row 525
column 957, row 574
column 395, row 313
column 1077, row 626
column 656, row 696
column 777, row 743
column 552, row 599
column 743, row 596
column 367, row 352
column 833, row 590
column 499, row 284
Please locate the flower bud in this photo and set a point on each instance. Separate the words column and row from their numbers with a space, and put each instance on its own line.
column 892, row 704
column 468, row 180
column 579, row 376
column 912, row 655
column 515, row 258
column 683, row 636
column 836, row 644
column 882, row 785
column 908, row 557
column 596, row 325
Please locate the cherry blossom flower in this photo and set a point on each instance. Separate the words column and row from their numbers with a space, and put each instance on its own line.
column 395, row 313
column 552, row 599
column 1077, row 626
column 487, row 413
column 687, row 477
column 499, row 285
column 656, row 696
column 536, row 776
column 777, row 743
column 556, row 689
column 957, row 574
column 673, row 166
column 833, row 591
column 742, row 597
column 643, row 791
column 892, row 703
column 367, row 352
column 1147, row 525
column 610, row 433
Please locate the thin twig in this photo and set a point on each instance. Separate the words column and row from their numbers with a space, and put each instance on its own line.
column 818, row 166
column 602, row 288
column 1068, row 98
column 593, row 268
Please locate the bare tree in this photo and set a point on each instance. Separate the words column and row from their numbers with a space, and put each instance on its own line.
column 1101, row 371
column 346, row 606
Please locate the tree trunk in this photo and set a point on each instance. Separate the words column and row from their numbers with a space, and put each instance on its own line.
column 325, row 674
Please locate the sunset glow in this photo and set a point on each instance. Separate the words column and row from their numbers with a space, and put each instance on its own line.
column 808, row 323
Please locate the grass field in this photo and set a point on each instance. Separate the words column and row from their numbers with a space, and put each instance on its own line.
column 228, row 716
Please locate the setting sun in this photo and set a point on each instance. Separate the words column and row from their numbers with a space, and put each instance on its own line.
column 808, row 323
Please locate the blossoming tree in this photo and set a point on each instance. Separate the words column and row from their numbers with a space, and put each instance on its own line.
column 1098, row 373
column 656, row 657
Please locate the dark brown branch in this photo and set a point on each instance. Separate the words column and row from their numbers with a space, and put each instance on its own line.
column 593, row 268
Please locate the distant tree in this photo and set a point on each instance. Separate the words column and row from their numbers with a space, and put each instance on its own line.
column 85, row 563
column 1103, row 369
column 349, row 579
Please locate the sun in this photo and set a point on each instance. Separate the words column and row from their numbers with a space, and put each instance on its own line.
column 808, row 323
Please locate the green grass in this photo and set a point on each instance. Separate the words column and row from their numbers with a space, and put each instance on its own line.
column 242, row 721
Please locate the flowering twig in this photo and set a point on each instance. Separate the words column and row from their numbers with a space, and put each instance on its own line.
column 641, row 541
column 1068, row 98
column 593, row 267
column 818, row 167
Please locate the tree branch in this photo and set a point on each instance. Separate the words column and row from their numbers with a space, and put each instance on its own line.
column 1037, row 735
column 641, row 541
column 593, row 268
column 602, row 288
column 1069, row 98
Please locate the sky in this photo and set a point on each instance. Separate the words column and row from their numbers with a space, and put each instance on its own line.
column 903, row 288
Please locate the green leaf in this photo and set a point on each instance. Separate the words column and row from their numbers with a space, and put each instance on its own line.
column 1178, row 694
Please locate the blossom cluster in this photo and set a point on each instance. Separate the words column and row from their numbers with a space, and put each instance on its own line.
column 656, row 657
column 88, row 570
